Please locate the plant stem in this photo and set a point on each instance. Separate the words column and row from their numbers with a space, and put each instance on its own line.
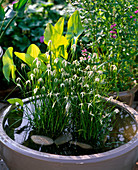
column 7, row 26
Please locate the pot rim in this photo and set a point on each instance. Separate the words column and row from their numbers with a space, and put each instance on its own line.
column 122, row 150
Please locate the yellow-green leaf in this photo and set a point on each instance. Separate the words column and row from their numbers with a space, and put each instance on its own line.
column 25, row 57
column 15, row 100
column 8, row 64
column 75, row 27
column 33, row 51
column 59, row 26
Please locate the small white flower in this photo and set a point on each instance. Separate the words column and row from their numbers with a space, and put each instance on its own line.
column 18, row 79
column 62, row 69
column 48, row 71
column 91, row 113
column 94, row 55
column 35, row 90
column 36, row 70
column 54, row 72
column 49, row 42
column 97, row 95
column 110, row 98
column 48, row 66
column 67, row 106
column 75, row 76
column 40, row 80
column 74, row 62
column 66, row 97
column 43, row 88
column 32, row 76
column 82, row 94
column 88, row 67
column 81, row 104
column 47, row 54
column 62, row 85
column 19, row 85
column 50, row 94
column 89, row 104
column 114, row 67
column 56, row 60
column 100, row 72
column 86, row 85
column 95, row 67
column 36, row 59
column 53, row 104
column 57, row 94
column 28, row 81
column 74, row 47
column 90, row 73
column 81, row 58
column 55, row 80
column 38, row 63
column 65, row 63
column 23, row 65
column 116, row 111
column 97, row 79
column 135, row 81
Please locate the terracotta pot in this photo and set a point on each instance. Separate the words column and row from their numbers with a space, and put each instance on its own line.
column 126, row 96
column 18, row 157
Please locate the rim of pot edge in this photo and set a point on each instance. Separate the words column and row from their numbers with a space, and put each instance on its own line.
column 11, row 144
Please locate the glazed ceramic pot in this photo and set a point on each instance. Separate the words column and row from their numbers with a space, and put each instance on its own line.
column 19, row 157
column 126, row 96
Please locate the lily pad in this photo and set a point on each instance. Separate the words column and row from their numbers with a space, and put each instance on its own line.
column 42, row 140
column 82, row 145
column 63, row 139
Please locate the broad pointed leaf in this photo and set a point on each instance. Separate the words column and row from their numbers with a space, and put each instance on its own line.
column 75, row 27
column 8, row 64
column 59, row 26
column 33, row 51
column 25, row 57
column 56, row 38
column 15, row 100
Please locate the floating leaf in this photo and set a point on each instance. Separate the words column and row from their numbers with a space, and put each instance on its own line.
column 42, row 140
column 82, row 145
column 63, row 139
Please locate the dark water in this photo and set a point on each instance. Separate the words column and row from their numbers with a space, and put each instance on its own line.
column 124, row 130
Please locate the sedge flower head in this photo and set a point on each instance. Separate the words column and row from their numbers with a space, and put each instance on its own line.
column 35, row 90
column 23, row 65
column 28, row 82
column 97, row 79
column 116, row 110
column 32, row 76
column 19, row 85
column 18, row 79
